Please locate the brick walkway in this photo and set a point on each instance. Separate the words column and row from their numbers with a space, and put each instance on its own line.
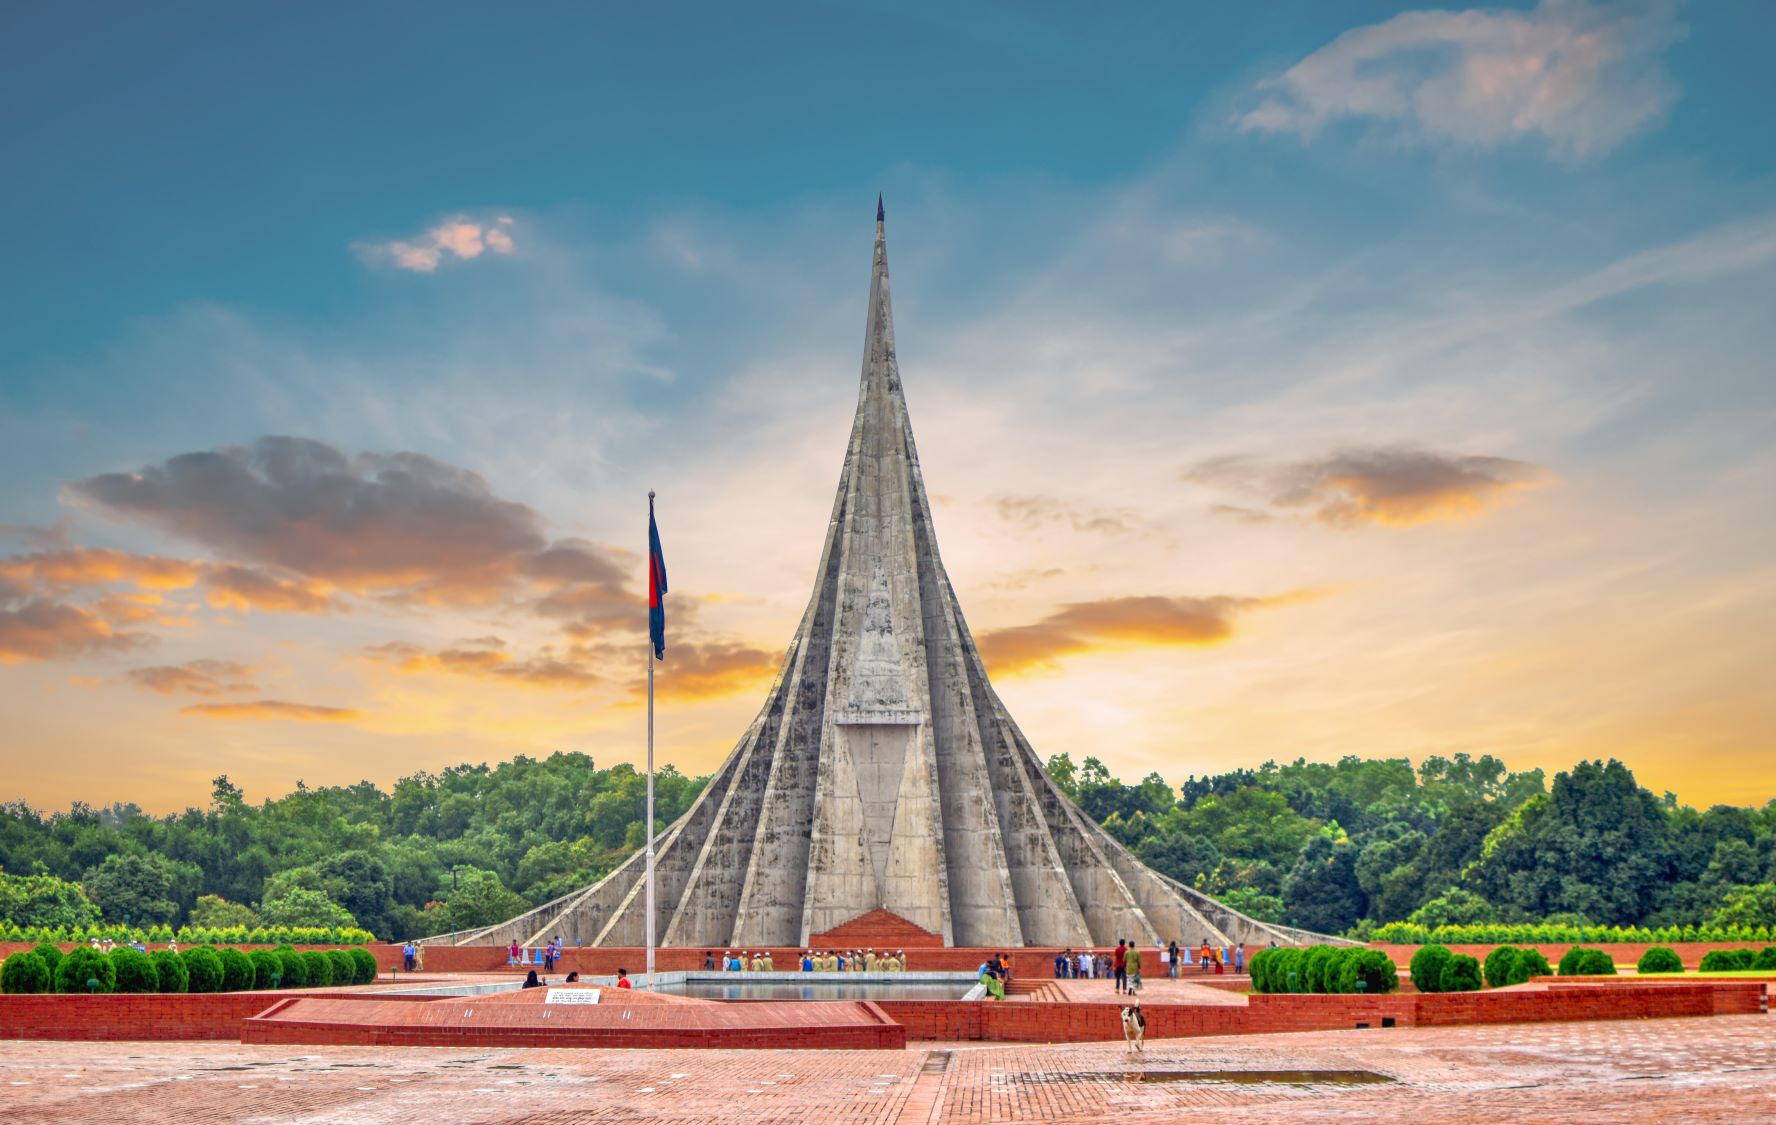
column 1684, row 1070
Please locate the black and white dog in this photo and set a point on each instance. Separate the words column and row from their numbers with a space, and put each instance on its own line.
column 1134, row 1027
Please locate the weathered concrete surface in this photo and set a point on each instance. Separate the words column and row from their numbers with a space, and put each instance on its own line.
column 883, row 770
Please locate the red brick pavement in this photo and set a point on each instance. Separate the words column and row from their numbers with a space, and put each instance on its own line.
column 1682, row 1070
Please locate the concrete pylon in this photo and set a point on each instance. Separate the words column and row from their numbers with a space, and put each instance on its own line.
column 883, row 772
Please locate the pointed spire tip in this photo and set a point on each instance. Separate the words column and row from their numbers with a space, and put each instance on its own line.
column 880, row 214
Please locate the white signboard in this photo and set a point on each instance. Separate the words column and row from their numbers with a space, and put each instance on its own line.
column 572, row 996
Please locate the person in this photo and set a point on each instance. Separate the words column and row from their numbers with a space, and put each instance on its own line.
column 1172, row 968
column 573, row 977
column 1084, row 969
column 514, row 955
column 1204, row 957
column 530, row 980
column 708, row 960
column 1132, row 969
column 1005, row 968
column 989, row 977
column 623, row 979
column 1239, row 957
column 766, row 963
column 1119, row 965
column 1165, row 958
column 408, row 953
column 1061, row 965
column 549, row 957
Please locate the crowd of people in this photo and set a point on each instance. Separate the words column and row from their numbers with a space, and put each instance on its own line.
column 1123, row 964
column 811, row 961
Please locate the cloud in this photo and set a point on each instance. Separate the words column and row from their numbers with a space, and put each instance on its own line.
column 401, row 526
column 244, row 588
column 488, row 658
column 40, row 629
column 196, row 677
column 77, row 567
column 1390, row 487
column 709, row 669
column 1035, row 512
column 460, row 238
column 1583, row 77
column 273, row 709
column 1129, row 622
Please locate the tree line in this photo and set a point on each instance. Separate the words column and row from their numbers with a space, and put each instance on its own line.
column 1338, row 848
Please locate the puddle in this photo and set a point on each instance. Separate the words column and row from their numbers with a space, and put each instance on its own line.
column 1264, row 1077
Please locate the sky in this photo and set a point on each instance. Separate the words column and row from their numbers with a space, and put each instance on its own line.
column 1291, row 380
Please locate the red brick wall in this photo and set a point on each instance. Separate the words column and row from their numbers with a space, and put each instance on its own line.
column 877, row 929
column 145, row 1016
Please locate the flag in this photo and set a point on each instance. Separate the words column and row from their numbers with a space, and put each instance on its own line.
column 656, row 587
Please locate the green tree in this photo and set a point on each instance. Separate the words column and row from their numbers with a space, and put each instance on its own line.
column 135, row 890
column 24, row 973
column 1322, row 891
column 299, row 906
column 1455, row 907
column 476, row 897
column 1748, row 906
column 217, row 913
column 44, row 900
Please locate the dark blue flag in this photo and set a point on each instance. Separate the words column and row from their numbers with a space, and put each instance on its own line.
column 656, row 587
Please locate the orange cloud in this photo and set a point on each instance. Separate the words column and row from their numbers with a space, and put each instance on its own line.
column 1393, row 487
column 1032, row 512
column 488, row 658
column 1131, row 622
column 196, row 677
column 461, row 238
column 707, row 670
column 273, row 709
column 98, row 566
column 39, row 629
column 244, row 588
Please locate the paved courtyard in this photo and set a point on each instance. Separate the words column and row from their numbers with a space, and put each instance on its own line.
column 1682, row 1070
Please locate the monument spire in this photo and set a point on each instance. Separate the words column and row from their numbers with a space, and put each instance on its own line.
column 883, row 772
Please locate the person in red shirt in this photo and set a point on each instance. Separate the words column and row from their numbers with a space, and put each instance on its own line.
column 1119, row 965
column 623, row 979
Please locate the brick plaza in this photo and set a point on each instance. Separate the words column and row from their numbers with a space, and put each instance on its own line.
column 1720, row 1069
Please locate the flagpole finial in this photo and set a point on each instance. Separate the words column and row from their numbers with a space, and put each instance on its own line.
column 650, row 494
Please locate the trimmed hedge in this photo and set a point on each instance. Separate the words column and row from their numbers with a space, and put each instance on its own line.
column 1659, row 959
column 1501, row 965
column 200, row 935
column 81, row 964
column 1727, row 960
column 133, row 971
column 1581, row 962
column 1461, row 974
column 268, row 967
column 1530, row 963
column 25, row 973
column 174, row 977
column 1427, row 968
column 203, row 969
column 51, row 954
column 319, row 969
column 366, row 964
column 1323, row 968
column 295, row 968
column 237, row 970
column 1538, row 933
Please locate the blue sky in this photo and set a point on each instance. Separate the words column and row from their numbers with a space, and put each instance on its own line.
column 1434, row 338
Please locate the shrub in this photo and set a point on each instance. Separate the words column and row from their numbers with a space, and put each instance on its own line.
column 267, row 966
column 133, row 971
column 1727, row 960
column 1659, row 959
column 203, row 969
column 365, row 961
column 1334, row 969
column 1501, row 964
column 1766, row 958
column 1427, row 968
column 81, row 964
column 345, row 970
column 51, row 954
column 1313, row 970
column 1582, row 962
column 295, row 969
column 24, row 972
column 319, row 969
column 1371, row 968
column 1461, row 974
column 237, row 970
column 169, row 968
column 1530, row 963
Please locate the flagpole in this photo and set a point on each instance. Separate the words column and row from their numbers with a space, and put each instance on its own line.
column 650, row 791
